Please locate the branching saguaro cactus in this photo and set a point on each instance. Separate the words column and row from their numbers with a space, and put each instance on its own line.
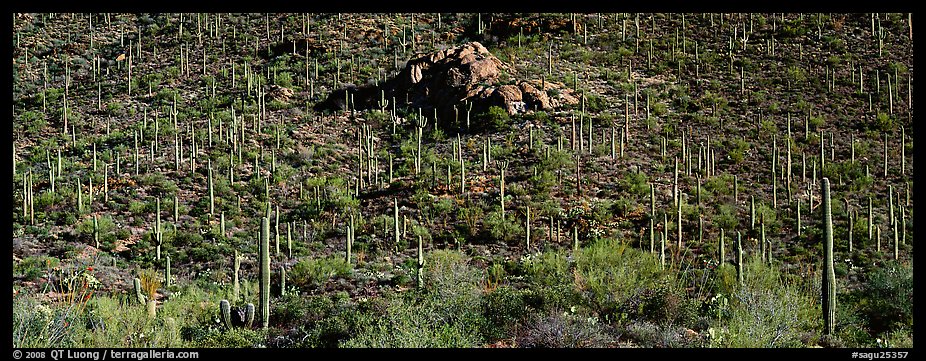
column 421, row 123
column 829, row 273
column 245, row 315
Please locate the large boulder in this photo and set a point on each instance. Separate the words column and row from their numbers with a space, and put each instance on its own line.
column 459, row 77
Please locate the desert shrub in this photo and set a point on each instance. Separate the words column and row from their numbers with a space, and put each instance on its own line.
column 314, row 272
column 503, row 309
column 721, row 184
column 37, row 325
column 33, row 267
column 768, row 311
column 727, row 219
column 496, row 118
column 886, row 298
column 594, row 103
column 647, row 334
column 505, row 230
column 447, row 312
column 331, row 320
column 564, row 330
column 736, row 149
column 550, row 268
column 635, row 183
column 410, row 323
column 615, row 278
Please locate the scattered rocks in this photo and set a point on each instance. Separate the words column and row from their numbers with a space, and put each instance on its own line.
column 279, row 93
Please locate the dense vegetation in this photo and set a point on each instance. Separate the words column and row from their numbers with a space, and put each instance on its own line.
column 174, row 184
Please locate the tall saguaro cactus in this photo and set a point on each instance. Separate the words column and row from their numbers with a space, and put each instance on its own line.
column 395, row 221
column 265, row 272
column 739, row 257
column 829, row 274
column 502, row 167
column 421, row 123
column 420, row 272
column 237, row 287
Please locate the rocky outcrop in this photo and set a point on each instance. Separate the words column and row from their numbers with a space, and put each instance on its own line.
column 463, row 76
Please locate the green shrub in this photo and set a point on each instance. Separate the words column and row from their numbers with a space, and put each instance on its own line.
column 37, row 325
column 886, row 299
column 446, row 313
column 635, row 183
column 768, row 311
column 496, row 118
column 506, row 230
column 611, row 275
column 315, row 272
column 33, row 267
column 408, row 323
column 503, row 309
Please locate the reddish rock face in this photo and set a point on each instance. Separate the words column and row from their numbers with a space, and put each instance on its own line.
column 463, row 76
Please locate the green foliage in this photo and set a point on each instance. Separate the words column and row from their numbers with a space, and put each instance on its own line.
column 284, row 79
column 726, row 217
column 635, row 183
column 32, row 121
column 308, row 273
column 883, row 123
column 506, row 230
column 886, row 298
column 594, row 103
column 736, row 149
column 816, row 122
column 235, row 338
column 720, row 184
column 612, row 274
column 768, row 311
column 33, row 267
column 496, row 118
column 504, row 309
column 447, row 313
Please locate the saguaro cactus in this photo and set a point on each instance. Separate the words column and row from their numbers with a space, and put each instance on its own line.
column 249, row 315
column 502, row 167
column 829, row 274
column 167, row 272
column 662, row 251
column 721, row 247
column 282, row 281
column 225, row 310
column 139, row 295
column 237, row 287
column 395, row 219
column 527, row 226
column 265, row 272
column 420, row 262
column 739, row 257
